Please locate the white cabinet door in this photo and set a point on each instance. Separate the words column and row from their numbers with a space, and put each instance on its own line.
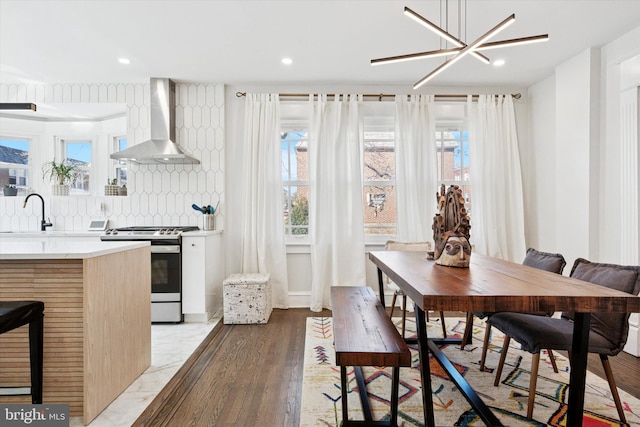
column 193, row 274
column 202, row 276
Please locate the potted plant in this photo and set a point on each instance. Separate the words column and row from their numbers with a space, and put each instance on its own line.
column 10, row 190
column 61, row 174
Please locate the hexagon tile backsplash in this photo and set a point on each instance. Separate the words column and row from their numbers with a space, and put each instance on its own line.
column 157, row 195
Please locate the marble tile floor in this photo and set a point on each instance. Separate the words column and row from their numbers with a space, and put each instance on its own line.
column 171, row 346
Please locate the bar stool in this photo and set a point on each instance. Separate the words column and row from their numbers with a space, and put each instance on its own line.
column 14, row 314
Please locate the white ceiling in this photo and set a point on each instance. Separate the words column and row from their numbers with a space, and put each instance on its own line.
column 330, row 42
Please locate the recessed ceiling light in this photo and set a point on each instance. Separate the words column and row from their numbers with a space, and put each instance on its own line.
column 498, row 62
column 123, row 60
column 287, row 61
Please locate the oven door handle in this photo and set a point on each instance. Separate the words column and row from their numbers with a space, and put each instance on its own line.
column 165, row 249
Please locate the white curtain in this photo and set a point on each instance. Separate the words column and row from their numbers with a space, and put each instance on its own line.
column 263, row 238
column 416, row 167
column 336, row 216
column 497, row 212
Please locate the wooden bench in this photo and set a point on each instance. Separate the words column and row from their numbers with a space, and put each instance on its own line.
column 365, row 336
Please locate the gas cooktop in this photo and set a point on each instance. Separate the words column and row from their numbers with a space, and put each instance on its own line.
column 146, row 232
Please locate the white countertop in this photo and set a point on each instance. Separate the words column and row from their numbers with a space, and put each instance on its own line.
column 79, row 249
column 50, row 233
column 201, row 233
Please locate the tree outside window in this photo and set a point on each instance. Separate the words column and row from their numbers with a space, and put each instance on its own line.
column 295, row 181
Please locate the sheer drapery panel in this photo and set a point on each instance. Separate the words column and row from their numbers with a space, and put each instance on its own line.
column 497, row 217
column 336, row 216
column 263, row 240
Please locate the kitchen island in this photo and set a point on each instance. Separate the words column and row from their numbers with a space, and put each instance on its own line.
column 97, row 319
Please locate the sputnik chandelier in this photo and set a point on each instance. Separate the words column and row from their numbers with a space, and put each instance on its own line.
column 461, row 49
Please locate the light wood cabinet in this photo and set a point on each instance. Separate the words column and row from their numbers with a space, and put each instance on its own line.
column 97, row 324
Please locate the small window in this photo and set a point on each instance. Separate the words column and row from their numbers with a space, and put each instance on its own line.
column 14, row 163
column 379, row 176
column 452, row 143
column 120, row 166
column 78, row 153
column 295, row 180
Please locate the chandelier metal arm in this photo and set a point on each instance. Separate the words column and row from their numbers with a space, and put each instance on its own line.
column 514, row 42
column 418, row 55
column 454, row 50
column 442, row 33
column 466, row 50
column 461, row 48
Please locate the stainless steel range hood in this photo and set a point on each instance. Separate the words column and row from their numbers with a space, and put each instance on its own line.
column 161, row 148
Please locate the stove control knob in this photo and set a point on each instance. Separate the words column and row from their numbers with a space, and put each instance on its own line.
column 162, row 231
column 114, row 231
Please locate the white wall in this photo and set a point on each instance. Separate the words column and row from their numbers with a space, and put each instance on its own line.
column 579, row 206
column 613, row 55
column 575, row 137
column 539, row 167
column 621, row 179
column 158, row 195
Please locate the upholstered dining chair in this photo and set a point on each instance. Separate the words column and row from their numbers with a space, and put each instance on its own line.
column 408, row 247
column 607, row 336
column 547, row 261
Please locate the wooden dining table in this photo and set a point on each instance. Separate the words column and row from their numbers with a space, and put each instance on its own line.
column 491, row 285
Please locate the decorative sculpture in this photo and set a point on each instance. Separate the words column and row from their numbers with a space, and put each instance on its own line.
column 451, row 229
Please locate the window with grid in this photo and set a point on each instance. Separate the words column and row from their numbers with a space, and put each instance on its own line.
column 295, row 179
column 452, row 142
column 379, row 180
column 14, row 163
column 79, row 153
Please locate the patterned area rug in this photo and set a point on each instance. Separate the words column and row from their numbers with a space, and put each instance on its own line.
column 321, row 404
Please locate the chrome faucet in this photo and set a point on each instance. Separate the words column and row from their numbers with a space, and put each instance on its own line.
column 43, row 223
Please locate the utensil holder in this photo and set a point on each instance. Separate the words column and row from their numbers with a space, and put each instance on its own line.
column 209, row 222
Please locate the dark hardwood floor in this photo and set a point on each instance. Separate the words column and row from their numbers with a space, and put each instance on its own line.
column 251, row 375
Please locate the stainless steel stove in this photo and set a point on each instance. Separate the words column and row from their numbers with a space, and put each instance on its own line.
column 166, row 266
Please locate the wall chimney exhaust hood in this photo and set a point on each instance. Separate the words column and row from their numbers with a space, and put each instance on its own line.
column 161, row 148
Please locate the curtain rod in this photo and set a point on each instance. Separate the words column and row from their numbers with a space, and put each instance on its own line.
column 377, row 95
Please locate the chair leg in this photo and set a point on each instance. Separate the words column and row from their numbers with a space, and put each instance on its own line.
column 393, row 304
column 503, row 356
column 36, row 338
column 612, row 384
column 404, row 314
column 535, row 362
column 553, row 360
column 485, row 345
column 468, row 330
column 444, row 326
